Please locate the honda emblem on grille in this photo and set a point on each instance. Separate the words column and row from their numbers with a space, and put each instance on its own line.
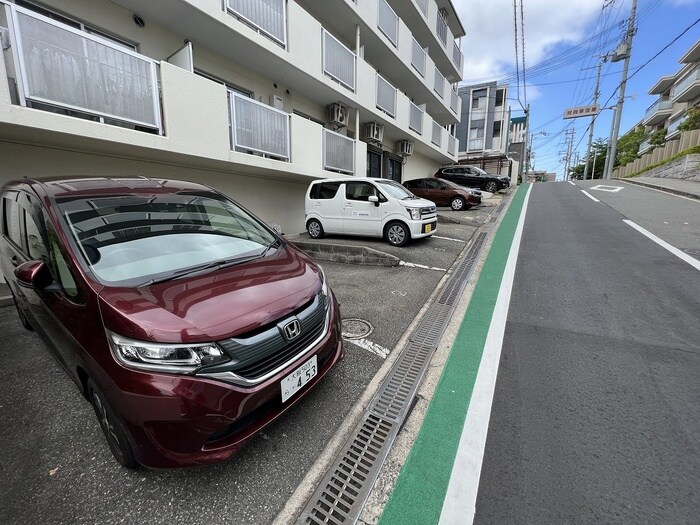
column 291, row 330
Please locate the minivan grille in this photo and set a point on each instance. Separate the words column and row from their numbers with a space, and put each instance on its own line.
column 260, row 353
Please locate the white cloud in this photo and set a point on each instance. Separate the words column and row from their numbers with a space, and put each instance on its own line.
column 489, row 45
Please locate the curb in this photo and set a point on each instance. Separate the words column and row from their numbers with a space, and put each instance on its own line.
column 5, row 300
column 345, row 254
column 663, row 188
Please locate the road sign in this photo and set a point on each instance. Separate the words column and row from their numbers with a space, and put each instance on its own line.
column 583, row 111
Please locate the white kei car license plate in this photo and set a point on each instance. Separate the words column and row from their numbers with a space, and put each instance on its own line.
column 297, row 379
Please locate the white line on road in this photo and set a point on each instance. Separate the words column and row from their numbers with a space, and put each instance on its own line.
column 573, row 184
column 423, row 266
column 370, row 347
column 460, row 501
column 447, row 238
column 589, row 196
column 675, row 251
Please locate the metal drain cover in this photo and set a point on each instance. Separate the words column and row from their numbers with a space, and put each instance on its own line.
column 355, row 328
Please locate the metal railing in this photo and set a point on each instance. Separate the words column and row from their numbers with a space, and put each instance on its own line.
column 267, row 16
column 644, row 147
column 454, row 101
column 65, row 67
column 418, row 58
column 338, row 61
column 674, row 124
column 258, row 128
column 386, row 96
column 441, row 29
column 415, row 118
column 451, row 145
column 437, row 134
column 439, row 86
column 659, row 105
column 338, row 152
column 423, row 5
column 457, row 56
column 388, row 21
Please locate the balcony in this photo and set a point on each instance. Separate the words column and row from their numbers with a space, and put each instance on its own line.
column 454, row 101
column 644, row 147
column 338, row 152
column 439, row 86
column 386, row 96
column 268, row 17
column 672, row 131
column 457, row 56
column 441, row 29
column 338, row 61
column 388, row 22
column 423, row 6
column 258, row 128
column 451, row 145
column 658, row 112
column 418, row 58
column 437, row 134
column 65, row 70
column 687, row 89
column 415, row 118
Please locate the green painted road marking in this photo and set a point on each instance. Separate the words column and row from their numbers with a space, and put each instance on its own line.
column 422, row 484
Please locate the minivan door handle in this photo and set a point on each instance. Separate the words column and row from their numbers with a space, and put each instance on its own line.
column 348, row 204
column 14, row 260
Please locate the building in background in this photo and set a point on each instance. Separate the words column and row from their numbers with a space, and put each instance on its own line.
column 256, row 99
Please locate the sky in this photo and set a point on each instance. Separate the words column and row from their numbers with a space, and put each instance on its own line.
column 563, row 39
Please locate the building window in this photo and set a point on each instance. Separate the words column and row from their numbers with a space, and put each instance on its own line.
column 374, row 164
column 478, row 98
column 500, row 95
column 497, row 129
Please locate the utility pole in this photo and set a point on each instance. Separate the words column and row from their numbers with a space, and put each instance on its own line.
column 621, row 99
column 590, row 133
column 569, row 147
column 527, row 132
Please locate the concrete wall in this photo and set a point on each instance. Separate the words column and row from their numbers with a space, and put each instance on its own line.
column 676, row 169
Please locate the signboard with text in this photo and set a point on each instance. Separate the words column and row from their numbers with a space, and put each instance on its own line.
column 583, row 111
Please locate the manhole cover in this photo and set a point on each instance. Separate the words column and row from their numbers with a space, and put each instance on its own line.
column 692, row 251
column 355, row 328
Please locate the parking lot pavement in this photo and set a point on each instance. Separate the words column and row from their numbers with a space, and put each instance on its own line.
column 56, row 468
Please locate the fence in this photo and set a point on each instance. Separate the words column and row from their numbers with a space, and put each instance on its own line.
column 684, row 141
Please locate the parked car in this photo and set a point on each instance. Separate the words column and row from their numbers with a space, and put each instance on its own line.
column 473, row 177
column 444, row 193
column 186, row 322
column 369, row 207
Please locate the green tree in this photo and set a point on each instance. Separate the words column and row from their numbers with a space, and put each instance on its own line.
column 628, row 146
column 692, row 120
column 599, row 150
column 658, row 138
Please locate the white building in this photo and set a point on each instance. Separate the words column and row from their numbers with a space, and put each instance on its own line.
column 255, row 98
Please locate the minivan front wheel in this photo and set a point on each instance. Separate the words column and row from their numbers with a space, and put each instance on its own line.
column 397, row 234
column 491, row 186
column 315, row 229
column 111, row 428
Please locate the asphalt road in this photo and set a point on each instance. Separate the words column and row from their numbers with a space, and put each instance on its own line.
column 596, row 414
column 56, row 468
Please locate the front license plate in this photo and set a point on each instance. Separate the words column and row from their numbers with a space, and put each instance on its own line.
column 297, row 379
column 428, row 228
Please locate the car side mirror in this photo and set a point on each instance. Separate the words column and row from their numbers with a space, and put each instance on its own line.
column 374, row 199
column 34, row 274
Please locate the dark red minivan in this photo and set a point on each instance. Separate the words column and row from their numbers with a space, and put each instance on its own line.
column 186, row 322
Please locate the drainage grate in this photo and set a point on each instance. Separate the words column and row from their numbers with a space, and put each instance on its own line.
column 340, row 497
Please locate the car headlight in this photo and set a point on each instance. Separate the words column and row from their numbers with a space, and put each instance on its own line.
column 414, row 213
column 324, row 281
column 177, row 358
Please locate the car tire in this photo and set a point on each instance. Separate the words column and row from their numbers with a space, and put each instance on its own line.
column 397, row 233
column 491, row 186
column 315, row 229
column 111, row 428
column 22, row 316
column 457, row 204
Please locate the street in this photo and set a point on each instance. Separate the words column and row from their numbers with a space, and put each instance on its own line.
column 596, row 413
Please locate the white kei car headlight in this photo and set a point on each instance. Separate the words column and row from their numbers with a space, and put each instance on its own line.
column 177, row 358
column 414, row 213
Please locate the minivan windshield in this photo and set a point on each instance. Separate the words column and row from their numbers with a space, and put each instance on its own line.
column 133, row 239
column 394, row 189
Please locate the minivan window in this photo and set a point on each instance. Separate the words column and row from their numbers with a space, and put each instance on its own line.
column 135, row 238
column 359, row 191
column 394, row 189
column 324, row 190
column 35, row 244
column 11, row 221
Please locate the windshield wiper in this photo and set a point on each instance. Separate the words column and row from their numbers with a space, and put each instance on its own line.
column 217, row 265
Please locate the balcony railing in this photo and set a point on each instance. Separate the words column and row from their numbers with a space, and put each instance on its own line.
column 476, row 144
column 439, row 86
column 415, row 118
column 388, row 21
column 258, row 128
column 442, row 29
column 338, row 61
column 454, row 101
column 418, row 58
column 659, row 105
column 644, row 147
column 338, row 152
column 67, row 68
column 451, row 145
column 386, row 96
column 267, row 16
column 423, row 5
column 673, row 125
column 437, row 134
column 683, row 85
column 457, row 56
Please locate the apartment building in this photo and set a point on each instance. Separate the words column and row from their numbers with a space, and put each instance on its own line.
column 484, row 120
column 676, row 94
column 254, row 98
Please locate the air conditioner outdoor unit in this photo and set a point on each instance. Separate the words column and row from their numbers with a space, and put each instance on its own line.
column 338, row 114
column 406, row 148
column 374, row 132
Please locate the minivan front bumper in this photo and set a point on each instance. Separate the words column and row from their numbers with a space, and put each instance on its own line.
column 182, row 420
